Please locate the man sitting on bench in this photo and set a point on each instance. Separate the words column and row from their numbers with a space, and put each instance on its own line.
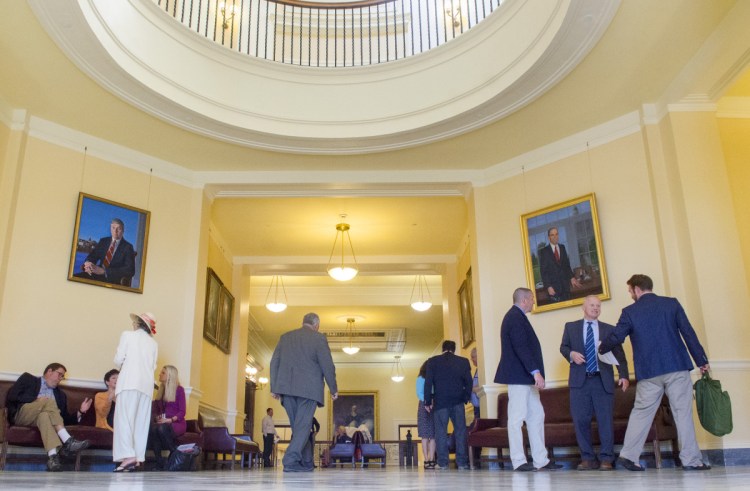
column 40, row 402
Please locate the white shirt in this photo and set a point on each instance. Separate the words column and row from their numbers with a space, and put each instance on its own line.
column 267, row 425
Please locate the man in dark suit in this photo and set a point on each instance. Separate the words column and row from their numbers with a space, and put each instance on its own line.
column 40, row 402
column 591, row 383
column 447, row 387
column 112, row 259
column 554, row 266
column 658, row 330
column 300, row 363
column 521, row 367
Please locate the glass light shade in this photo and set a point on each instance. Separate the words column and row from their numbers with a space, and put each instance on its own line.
column 350, row 350
column 397, row 378
column 344, row 273
column 263, row 380
column 276, row 307
column 421, row 306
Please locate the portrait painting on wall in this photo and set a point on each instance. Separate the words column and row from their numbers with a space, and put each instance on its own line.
column 211, row 313
column 224, row 322
column 354, row 411
column 564, row 254
column 109, row 244
column 466, row 304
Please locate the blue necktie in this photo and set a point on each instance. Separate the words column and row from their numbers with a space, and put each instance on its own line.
column 591, row 365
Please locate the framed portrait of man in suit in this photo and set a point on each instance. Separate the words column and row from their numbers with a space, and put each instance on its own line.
column 563, row 252
column 109, row 244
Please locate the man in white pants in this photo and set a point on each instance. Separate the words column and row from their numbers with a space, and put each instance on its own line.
column 522, row 369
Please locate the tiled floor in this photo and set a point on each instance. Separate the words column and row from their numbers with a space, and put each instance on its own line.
column 388, row 479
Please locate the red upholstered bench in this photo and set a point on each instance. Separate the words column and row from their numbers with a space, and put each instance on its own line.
column 559, row 430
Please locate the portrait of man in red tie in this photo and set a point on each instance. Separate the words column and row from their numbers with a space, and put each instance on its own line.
column 554, row 265
column 109, row 244
column 112, row 259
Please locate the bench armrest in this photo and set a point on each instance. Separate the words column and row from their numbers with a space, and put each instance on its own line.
column 485, row 423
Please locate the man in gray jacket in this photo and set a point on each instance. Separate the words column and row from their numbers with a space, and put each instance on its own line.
column 300, row 363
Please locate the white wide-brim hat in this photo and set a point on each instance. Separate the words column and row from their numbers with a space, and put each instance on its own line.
column 146, row 317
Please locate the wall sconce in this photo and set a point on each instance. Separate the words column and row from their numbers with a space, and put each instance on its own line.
column 262, row 382
column 227, row 13
column 397, row 372
column 277, row 305
column 342, row 272
column 418, row 300
column 351, row 349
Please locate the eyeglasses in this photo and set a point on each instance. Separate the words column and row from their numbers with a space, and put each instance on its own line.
column 60, row 374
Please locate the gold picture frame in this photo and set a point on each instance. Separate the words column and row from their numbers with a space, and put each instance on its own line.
column 219, row 312
column 577, row 269
column 466, row 305
column 98, row 221
column 366, row 403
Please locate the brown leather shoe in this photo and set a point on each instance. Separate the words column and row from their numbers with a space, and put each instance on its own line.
column 606, row 466
column 589, row 465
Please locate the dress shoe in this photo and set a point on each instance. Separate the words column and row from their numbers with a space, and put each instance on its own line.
column 702, row 467
column 606, row 466
column 72, row 446
column 630, row 465
column 551, row 466
column 53, row 463
column 589, row 465
column 527, row 467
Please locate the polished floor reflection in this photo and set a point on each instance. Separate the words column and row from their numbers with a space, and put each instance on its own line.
column 388, row 479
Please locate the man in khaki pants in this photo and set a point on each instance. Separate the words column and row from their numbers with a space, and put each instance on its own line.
column 38, row 401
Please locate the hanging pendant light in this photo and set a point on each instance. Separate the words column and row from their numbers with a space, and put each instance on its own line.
column 351, row 349
column 342, row 272
column 397, row 372
column 418, row 300
column 278, row 304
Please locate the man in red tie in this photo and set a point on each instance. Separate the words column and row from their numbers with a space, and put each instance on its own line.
column 113, row 258
column 554, row 265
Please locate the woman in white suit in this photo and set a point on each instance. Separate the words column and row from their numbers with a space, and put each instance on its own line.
column 136, row 359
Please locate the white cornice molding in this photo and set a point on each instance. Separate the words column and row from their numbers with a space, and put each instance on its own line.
column 733, row 108
column 578, row 143
column 731, row 365
column 96, row 147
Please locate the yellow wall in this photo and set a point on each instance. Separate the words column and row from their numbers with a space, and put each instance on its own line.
column 664, row 210
column 735, row 139
column 44, row 317
column 214, row 362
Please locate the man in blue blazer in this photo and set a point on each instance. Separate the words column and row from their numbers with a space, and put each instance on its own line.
column 521, row 367
column 447, row 387
column 658, row 330
column 591, row 383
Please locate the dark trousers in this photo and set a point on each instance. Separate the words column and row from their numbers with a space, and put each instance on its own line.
column 585, row 402
column 457, row 415
column 477, row 450
column 161, row 437
column 299, row 453
column 267, row 448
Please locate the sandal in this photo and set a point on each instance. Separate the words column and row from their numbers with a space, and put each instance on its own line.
column 126, row 468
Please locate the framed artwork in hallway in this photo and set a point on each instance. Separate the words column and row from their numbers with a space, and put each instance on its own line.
column 563, row 252
column 109, row 244
column 354, row 411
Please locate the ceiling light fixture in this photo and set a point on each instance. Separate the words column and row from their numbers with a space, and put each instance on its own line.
column 227, row 13
column 342, row 272
column 351, row 349
column 277, row 305
column 418, row 301
column 397, row 372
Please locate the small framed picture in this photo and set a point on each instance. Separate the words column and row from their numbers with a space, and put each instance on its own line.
column 109, row 244
column 211, row 313
column 564, row 254
column 466, row 303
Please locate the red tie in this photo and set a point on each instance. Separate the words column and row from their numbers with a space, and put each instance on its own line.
column 110, row 253
column 557, row 254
